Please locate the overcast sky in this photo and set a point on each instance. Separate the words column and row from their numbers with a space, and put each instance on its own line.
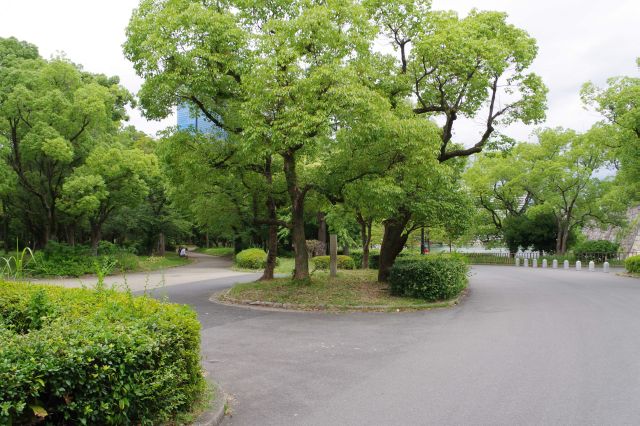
column 579, row 40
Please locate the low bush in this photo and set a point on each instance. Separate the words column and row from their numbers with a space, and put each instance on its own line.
column 632, row 264
column 59, row 259
column 253, row 258
column 356, row 255
column 322, row 262
column 432, row 278
column 76, row 356
column 374, row 259
column 596, row 250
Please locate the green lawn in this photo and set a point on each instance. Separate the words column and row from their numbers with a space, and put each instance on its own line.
column 216, row 251
column 349, row 290
column 154, row 263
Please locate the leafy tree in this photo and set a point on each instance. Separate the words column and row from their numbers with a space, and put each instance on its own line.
column 51, row 115
column 555, row 177
column 282, row 79
column 474, row 67
column 112, row 177
column 539, row 232
column 619, row 103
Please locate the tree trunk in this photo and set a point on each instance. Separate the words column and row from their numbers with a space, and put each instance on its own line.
column 272, row 238
column 301, row 271
column 161, row 244
column 562, row 237
column 345, row 250
column 96, row 235
column 393, row 242
column 322, row 231
column 365, row 236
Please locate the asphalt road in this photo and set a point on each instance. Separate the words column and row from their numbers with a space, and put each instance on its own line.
column 525, row 347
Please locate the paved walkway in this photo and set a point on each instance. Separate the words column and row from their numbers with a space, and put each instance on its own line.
column 202, row 268
column 525, row 347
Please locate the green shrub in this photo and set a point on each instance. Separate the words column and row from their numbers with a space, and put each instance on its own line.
column 322, row 262
column 356, row 255
column 59, row 259
column 632, row 264
column 374, row 259
column 253, row 258
column 596, row 250
column 431, row 278
column 95, row 357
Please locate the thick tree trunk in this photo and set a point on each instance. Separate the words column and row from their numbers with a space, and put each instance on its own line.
column 301, row 271
column 96, row 235
column 161, row 244
column 393, row 242
column 297, row 196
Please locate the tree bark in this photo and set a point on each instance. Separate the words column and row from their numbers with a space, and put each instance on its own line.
column 297, row 196
column 562, row 237
column 96, row 235
column 393, row 242
column 272, row 239
column 365, row 236
column 161, row 244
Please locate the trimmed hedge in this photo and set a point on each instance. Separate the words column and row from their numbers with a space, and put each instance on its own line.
column 253, row 258
column 632, row 264
column 77, row 356
column 432, row 278
column 322, row 262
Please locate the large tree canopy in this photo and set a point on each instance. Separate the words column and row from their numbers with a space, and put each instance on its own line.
column 51, row 115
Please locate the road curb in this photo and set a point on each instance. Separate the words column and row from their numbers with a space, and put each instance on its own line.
column 214, row 415
column 221, row 298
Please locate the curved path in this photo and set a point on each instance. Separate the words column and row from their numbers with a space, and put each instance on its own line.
column 525, row 347
column 202, row 268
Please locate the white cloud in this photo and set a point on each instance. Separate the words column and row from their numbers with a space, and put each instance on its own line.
column 579, row 41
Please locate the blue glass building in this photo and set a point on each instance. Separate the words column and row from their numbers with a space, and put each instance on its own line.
column 190, row 120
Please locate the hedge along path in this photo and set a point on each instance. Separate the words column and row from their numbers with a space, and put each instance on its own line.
column 77, row 356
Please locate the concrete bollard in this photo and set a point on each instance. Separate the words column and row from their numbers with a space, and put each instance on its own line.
column 566, row 264
column 605, row 267
column 535, row 263
column 555, row 264
column 526, row 263
column 592, row 266
column 517, row 261
column 544, row 263
column 578, row 266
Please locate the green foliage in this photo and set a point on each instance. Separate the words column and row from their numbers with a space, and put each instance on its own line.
column 77, row 356
column 596, row 250
column 59, row 259
column 17, row 266
column 632, row 264
column 253, row 258
column 323, row 262
column 431, row 278
column 619, row 103
column 539, row 232
column 356, row 255
column 216, row 251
